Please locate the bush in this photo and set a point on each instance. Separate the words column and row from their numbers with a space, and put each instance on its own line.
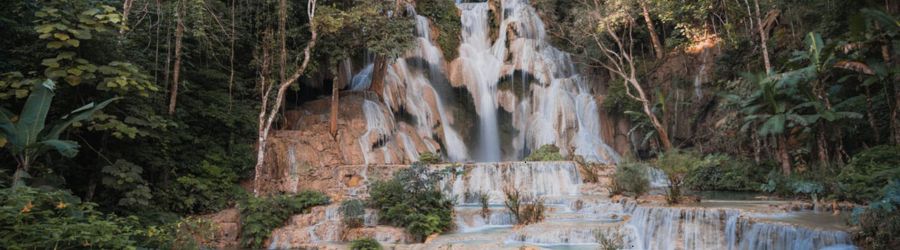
column 613, row 241
column 37, row 219
column 353, row 213
column 868, row 172
column 676, row 165
column 547, row 152
column 365, row 244
column 261, row 215
column 211, row 189
column 723, row 173
column 879, row 223
column 443, row 15
column 523, row 211
column 412, row 200
column 630, row 177
column 429, row 158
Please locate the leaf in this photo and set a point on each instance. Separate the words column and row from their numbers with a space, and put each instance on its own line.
column 34, row 114
column 66, row 148
column 54, row 45
column 74, row 42
column 856, row 66
column 773, row 126
column 61, row 36
column 79, row 114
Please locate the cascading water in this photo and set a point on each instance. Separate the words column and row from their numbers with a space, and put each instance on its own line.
column 481, row 65
column 408, row 88
column 553, row 104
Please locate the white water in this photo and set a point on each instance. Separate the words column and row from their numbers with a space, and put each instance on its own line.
column 410, row 90
column 481, row 65
column 559, row 109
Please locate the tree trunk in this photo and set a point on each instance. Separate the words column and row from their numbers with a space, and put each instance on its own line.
column 654, row 39
column 660, row 128
column 21, row 172
column 176, row 70
column 380, row 69
column 822, row 144
column 763, row 37
column 873, row 123
column 783, row 155
column 343, row 71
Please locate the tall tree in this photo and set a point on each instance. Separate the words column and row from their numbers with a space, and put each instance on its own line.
column 651, row 28
column 270, row 105
column 176, row 69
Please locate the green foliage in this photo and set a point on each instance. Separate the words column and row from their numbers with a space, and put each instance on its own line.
column 212, row 188
column 365, row 244
column 526, row 210
column 27, row 136
column 125, row 177
column 261, row 215
column 724, row 173
column 879, row 223
column 547, row 152
column 185, row 233
column 868, row 172
column 412, row 200
column 37, row 219
column 443, row 15
column 676, row 164
column 630, row 177
column 353, row 213
column 429, row 158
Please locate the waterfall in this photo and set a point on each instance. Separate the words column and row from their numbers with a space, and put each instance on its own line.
column 481, row 68
column 658, row 178
column 408, row 88
column 378, row 131
column 554, row 104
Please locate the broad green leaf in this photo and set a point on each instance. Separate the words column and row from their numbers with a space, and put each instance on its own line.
column 34, row 114
column 773, row 126
column 79, row 114
column 66, row 148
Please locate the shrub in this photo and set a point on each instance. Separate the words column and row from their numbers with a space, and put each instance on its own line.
column 868, row 172
column 37, row 219
column 723, row 173
column 211, row 188
column 676, row 165
column 353, row 213
column 412, row 200
column 523, row 211
column 879, row 223
column 613, row 241
column 630, row 177
column 547, row 152
column 365, row 244
column 484, row 199
column 185, row 233
column 429, row 158
column 260, row 215
column 443, row 15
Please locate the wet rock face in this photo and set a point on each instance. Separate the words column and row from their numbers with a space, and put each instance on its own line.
column 228, row 228
column 323, row 226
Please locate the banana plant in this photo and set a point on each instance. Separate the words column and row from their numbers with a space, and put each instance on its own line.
column 28, row 136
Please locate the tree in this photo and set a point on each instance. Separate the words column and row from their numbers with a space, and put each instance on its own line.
column 620, row 61
column 27, row 136
column 654, row 39
column 271, row 105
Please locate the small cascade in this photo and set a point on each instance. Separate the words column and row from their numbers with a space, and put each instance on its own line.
column 709, row 228
column 546, row 180
column 658, row 178
column 378, row 131
column 760, row 235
